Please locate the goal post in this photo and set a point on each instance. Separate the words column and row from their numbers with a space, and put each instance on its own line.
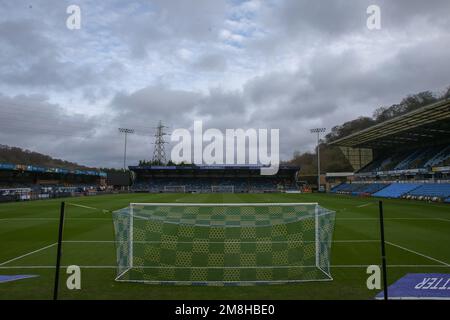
column 175, row 189
column 222, row 189
column 223, row 244
column 123, row 228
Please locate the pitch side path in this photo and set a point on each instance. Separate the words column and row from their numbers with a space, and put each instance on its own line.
column 417, row 241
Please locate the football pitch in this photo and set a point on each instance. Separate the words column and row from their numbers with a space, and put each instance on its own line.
column 417, row 241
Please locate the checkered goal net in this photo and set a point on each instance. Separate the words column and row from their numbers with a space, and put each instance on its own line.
column 223, row 244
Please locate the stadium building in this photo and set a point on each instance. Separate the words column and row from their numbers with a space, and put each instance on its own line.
column 405, row 157
column 27, row 182
column 204, row 179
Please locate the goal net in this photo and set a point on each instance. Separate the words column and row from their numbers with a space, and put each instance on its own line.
column 223, row 244
column 175, row 189
column 222, row 189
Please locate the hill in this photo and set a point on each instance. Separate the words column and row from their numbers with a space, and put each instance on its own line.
column 333, row 160
column 20, row 156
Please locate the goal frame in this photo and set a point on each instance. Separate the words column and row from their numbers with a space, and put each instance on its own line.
column 328, row 276
column 183, row 187
column 226, row 186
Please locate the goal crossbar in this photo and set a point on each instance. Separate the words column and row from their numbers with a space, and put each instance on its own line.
column 181, row 189
column 223, row 188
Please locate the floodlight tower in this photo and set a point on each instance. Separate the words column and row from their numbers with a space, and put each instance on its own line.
column 126, row 132
column 318, row 131
column 159, row 153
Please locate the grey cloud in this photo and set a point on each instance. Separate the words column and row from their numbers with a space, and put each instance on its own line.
column 211, row 62
column 161, row 26
column 406, row 12
column 219, row 102
column 343, row 17
column 31, row 121
column 37, row 50
column 335, row 71
column 146, row 106
column 49, row 71
column 23, row 39
column 24, row 113
column 328, row 18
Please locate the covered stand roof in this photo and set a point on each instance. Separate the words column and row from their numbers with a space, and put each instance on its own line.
column 421, row 127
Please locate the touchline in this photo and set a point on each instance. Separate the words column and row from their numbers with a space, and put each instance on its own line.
column 229, row 148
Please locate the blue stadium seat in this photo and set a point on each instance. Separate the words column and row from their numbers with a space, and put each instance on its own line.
column 396, row 190
column 441, row 190
column 358, row 188
column 422, row 158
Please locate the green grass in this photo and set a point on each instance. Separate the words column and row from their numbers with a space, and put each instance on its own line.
column 418, row 235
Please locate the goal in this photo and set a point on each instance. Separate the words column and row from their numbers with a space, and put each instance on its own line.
column 222, row 189
column 223, row 244
column 175, row 189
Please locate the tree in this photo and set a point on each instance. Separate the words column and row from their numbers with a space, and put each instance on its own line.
column 332, row 159
column 17, row 155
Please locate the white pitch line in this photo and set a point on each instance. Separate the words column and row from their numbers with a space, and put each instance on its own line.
column 27, row 254
column 355, row 241
column 81, row 206
column 333, row 266
column 25, row 219
column 418, row 253
column 231, row 242
column 364, row 205
column 90, row 241
column 108, row 219
column 377, row 219
column 51, row 219
column 391, row 266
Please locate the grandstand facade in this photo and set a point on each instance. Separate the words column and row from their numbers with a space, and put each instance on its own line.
column 27, row 182
column 205, row 179
column 411, row 156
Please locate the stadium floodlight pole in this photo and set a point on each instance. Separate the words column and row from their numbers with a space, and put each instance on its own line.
column 318, row 131
column 126, row 132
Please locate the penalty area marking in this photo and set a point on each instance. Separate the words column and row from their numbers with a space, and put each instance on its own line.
column 442, row 263
column 112, row 241
column 28, row 254
column 418, row 253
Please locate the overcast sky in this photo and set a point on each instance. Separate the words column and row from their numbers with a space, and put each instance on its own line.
column 287, row 64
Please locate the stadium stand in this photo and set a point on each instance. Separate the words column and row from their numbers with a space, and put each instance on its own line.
column 358, row 188
column 200, row 179
column 396, row 190
column 409, row 156
column 439, row 190
column 435, row 191
column 422, row 158
column 24, row 182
